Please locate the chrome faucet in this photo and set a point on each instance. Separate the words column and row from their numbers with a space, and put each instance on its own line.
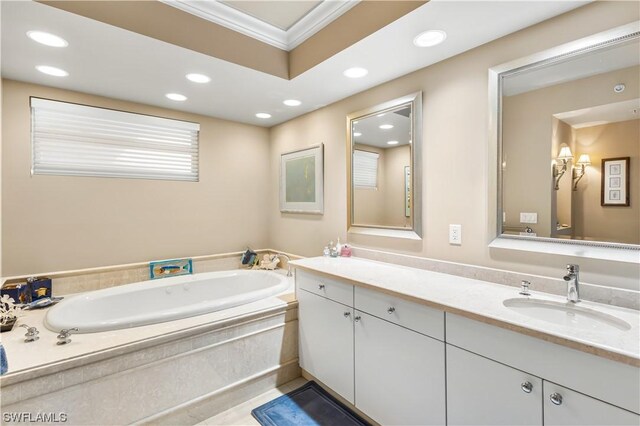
column 32, row 333
column 573, row 283
column 289, row 274
column 63, row 337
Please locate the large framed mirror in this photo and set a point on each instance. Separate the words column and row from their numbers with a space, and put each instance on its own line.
column 566, row 134
column 384, row 169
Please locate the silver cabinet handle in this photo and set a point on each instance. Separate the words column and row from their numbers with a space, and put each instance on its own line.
column 357, row 318
column 391, row 310
column 556, row 398
column 527, row 387
column 320, row 286
column 347, row 314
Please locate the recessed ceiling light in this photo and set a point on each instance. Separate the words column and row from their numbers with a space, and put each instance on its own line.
column 356, row 134
column 292, row 102
column 386, row 126
column 392, row 143
column 380, row 115
column 429, row 38
column 176, row 97
column 263, row 115
column 57, row 72
column 198, row 78
column 47, row 39
column 355, row 72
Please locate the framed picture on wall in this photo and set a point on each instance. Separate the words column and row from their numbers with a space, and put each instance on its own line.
column 615, row 182
column 302, row 181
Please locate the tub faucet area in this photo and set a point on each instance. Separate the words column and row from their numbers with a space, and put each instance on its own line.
column 573, row 283
column 288, row 259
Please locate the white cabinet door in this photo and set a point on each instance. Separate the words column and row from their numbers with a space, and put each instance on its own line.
column 326, row 341
column 563, row 406
column 484, row 392
column 399, row 373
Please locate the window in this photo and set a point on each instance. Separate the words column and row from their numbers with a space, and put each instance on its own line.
column 78, row 140
column 365, row 169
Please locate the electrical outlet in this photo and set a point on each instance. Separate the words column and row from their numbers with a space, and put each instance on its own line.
column 528, row 217
column 455, row 234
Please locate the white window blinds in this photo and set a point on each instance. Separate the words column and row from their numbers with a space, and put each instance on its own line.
column 79, row 140
column 365, row 169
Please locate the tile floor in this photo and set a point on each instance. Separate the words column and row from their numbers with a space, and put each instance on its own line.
column 240, row 415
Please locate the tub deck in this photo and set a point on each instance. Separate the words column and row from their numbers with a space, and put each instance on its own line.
column 30, row 360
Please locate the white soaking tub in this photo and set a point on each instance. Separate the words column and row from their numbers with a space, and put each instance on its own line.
column 161, row 300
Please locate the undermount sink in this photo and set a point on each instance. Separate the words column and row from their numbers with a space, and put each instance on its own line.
column 567, row 314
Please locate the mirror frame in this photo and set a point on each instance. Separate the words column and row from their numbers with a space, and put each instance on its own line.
column 611, row 251
column 415, row 232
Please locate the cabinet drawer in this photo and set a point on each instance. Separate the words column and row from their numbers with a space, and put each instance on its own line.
column 326, row 287
column 414, row 316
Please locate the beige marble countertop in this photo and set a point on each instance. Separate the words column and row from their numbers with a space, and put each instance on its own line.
column 482, row 301
column 43, row 356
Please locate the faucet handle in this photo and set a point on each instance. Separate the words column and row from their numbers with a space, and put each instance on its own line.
column 525, row 288
column 63, row 337
column 32, row 333
column 572, row 268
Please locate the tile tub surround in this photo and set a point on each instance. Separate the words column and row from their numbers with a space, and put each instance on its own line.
column 176, row 378
column 592, row 292
column 482, row 301
column 79, row 281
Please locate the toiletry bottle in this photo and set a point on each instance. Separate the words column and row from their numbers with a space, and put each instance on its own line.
column 338, row 246
column 326, row 252
column 346, row 251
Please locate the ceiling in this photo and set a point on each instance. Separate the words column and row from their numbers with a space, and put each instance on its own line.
column 602, row 114
column 373, row 135
column 280, row 14
column 109, row 61
column 283, row 24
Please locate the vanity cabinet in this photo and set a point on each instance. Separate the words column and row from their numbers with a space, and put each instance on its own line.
column 326, row 342
column 395, row 360
column 399, row 373
column 482, row 377
column 377, row 351
column 484, row 392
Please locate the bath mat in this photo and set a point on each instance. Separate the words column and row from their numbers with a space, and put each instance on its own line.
column 308, row 405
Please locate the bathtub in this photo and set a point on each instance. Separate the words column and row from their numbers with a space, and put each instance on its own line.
column 167, row 299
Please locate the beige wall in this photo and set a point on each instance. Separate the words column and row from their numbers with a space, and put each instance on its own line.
column 529, row 145
column 395, row 161
column 592, row 220
column 562, row 198
column 384, row 206
column 455, row 157
column 55, row 223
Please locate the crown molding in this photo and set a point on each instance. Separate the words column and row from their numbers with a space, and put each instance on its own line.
column 318, row 18
column 233, row 19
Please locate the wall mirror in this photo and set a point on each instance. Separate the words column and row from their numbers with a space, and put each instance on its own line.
column 384, row 168
column 567, row 131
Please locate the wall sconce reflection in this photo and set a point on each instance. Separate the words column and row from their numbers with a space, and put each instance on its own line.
column 579, row 169
column 559, row 169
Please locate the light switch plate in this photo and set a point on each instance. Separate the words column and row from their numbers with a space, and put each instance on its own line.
column 455, row 234
column 528, row 217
